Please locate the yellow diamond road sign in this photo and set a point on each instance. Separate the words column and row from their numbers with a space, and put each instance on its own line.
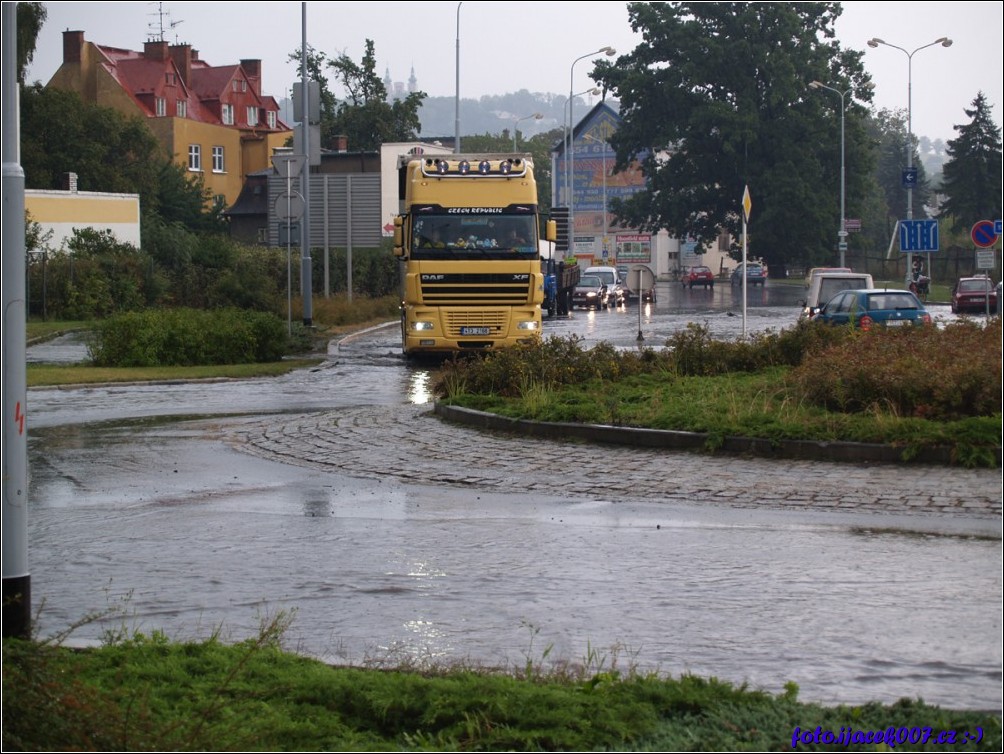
column 747, row 204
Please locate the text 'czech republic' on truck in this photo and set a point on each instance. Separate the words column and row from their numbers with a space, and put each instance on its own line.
column 467, row 237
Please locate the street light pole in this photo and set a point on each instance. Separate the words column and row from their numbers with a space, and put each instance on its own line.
column 570, row 154
column 515, row 128
column 456, row 137
column 875, row 42
column 595, row 92
column 842, row 233
column 604, row 161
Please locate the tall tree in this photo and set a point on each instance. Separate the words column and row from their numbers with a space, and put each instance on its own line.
column 30, row 19
column 972, row 175
column 366, row 116
column 716, row 99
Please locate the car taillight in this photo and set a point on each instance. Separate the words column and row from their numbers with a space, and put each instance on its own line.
column 865, row 322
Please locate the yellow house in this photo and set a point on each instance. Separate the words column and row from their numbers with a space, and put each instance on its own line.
column 213, row 119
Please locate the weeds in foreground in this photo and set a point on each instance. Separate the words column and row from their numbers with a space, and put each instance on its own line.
column 147, row 693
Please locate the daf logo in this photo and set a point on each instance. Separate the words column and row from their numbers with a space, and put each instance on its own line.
column 432, row 278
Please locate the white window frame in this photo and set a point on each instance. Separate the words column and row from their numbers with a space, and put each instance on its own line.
column 182, row 109
column 228, row 115
column 252, row 115
column 219, row 161
column 160, row 103
column 271, row 119
column 195, row 158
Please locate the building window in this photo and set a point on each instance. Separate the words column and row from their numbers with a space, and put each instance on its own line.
column 252, row 116
column 228, row 115
column 182, row 109
column 171, row 79
column 194, row 157
column 218, row 164
column 220, row 200
column 161, row 104
column 271, row 119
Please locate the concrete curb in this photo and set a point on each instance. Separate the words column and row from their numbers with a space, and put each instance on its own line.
column 805, row 450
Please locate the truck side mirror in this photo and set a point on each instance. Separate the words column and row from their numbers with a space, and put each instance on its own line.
column 551, row 233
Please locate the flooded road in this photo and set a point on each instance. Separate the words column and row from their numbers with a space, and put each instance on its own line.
column 144, row 500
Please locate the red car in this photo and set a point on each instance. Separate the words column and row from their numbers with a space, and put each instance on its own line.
column 699, row 275
column 970, row 295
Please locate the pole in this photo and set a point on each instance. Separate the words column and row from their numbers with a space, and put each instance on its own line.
column 456, row 137
column 306, row 268
column 571, row 144
column 16, row 576
column 875, row 42
column 842, row 232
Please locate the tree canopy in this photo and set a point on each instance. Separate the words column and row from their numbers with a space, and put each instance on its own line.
column 972, row 175
column 716, row 99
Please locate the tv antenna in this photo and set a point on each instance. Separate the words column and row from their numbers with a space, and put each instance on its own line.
column 163, row 20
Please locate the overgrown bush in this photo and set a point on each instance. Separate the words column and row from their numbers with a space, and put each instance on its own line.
column 944, row 373
column 188, row 337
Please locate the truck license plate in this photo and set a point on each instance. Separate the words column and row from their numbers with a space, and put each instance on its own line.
column 475, row 331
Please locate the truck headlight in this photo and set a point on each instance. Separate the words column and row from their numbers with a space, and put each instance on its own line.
column 528, row 325
column 422, row 326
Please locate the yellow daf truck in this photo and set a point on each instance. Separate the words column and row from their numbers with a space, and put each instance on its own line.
column 468, row 240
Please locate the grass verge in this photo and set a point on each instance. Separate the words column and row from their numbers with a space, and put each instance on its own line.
column 147, row 693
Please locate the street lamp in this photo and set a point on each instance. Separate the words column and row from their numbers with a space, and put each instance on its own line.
column 608, row 51
column 875, row 42
column 593, row 139
column 456, row 138
column 842, row 233
column 594, row 92
column 515, row 128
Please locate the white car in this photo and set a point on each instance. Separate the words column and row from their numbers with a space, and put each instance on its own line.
column 825, row 285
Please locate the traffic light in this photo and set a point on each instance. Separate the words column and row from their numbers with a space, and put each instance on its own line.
column 560, row 216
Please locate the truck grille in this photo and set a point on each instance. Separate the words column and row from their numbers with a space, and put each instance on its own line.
column 505, row 289
column 495, row 319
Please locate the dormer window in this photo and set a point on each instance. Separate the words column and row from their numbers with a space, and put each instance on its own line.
column 182, row 109
column 271, row 119
column 252, row 116
column 171, row 79
column 160, row 103
column 228, row 115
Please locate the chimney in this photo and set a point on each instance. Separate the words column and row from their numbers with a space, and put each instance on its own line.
column 182, row 57
column 155, row 49
column 252, row 67
column 73, row 44
column 69, row 182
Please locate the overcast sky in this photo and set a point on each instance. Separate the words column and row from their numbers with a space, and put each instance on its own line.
column 509, row 46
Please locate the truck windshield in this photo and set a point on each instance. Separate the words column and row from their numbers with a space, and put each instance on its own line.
column 474, row 237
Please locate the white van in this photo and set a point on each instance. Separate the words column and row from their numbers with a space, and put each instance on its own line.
column 825, row 285
column 616, row 287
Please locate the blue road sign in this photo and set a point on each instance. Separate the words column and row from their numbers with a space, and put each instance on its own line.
column 909, row 178
column 918, row 236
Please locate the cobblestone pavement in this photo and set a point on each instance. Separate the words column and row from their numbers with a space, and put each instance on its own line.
column 411, row 444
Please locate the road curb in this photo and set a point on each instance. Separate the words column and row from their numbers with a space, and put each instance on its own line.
column 806, row 450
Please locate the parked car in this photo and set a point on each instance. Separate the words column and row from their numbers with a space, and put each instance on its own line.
column 826, row 285
column 874, row 307
column 616, row 291
column 590, row 293
column 755, row 275
column 820, row 270
column 975, row 295
column 622, row 273
column 699, row 275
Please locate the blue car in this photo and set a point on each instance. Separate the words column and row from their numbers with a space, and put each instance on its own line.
column 866, row 308
column 755, row 275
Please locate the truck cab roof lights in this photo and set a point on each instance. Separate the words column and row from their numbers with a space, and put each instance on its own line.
column 497, row 166
column 464, row 167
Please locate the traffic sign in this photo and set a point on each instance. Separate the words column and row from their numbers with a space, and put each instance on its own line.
column 984, row 234
column 918, row 236
column 289, row 206
column 909, row 178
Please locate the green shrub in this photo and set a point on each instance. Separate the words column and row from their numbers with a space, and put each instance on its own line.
column 188, row 337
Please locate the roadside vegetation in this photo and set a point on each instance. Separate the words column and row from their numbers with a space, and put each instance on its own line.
column 913, row 388
column 147, row 693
